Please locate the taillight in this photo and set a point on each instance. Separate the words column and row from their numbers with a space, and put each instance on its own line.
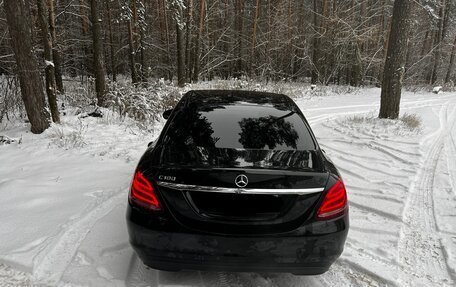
column 334, row 203
column 142, row 193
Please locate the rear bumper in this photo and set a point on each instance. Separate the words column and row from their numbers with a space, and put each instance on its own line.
column 293, row 252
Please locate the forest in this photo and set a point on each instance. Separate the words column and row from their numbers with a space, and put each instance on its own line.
column 323, row 42
column 328, row 41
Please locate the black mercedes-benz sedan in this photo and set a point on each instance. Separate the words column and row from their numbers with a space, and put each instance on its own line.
column 237, row 182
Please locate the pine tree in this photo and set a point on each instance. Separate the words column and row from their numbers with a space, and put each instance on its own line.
column 19, row 25
column 98, row 54
column 49, row 69
column 393, row 74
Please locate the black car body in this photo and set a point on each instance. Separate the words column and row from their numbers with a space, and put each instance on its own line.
column 237, row 182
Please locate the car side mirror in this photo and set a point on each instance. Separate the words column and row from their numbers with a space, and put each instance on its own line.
column 167, row 113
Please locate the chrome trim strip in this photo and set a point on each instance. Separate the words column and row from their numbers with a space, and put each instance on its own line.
column 201, row 188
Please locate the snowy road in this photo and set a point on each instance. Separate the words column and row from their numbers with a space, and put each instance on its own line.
column 63, row 206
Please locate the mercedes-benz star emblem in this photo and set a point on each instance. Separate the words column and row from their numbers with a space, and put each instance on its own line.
column 241, row 180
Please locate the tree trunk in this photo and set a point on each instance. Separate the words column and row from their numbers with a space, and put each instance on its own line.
column 164, row 33
column 395, row 60
column 198, row 40
column 137, row 37
column 254, row 32
column 451, row 65
column 188, row 37
column 356, row 76
column 239, row 28
column 438, row 43
column 315, row 45
column 424, row 48
column 142, row 43
column 290, row 50
column 133, row 43
column 269, row 44
column 49, row 68
column 299, row 50
column 55, row 50
column 111, row 44
column 132, row 53
column 86, row 65
column 180, row 42
column 98, row 55
column 168, row 45
column 19, row 24
column 357, row 65
column 142, row 58
column 180, row 55
column 384, row 50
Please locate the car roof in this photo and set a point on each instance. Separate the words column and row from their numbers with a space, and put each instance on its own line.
column 209, row 98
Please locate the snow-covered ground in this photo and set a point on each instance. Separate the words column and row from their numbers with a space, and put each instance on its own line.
column 64, row 193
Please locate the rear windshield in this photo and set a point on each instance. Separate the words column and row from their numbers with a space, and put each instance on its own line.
column 240, row 135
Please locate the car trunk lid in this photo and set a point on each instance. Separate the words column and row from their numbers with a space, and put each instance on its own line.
column 211, row 200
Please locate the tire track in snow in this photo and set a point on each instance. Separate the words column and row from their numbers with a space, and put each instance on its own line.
column 371, row 108
column 346, row 273
column 450, row 145
column 405, row 103
column 140, row 275
column 338, row 150
column 349, row 267
column 383, row 160
column 374, row 210
column 373, row 195
column 451, row 162
column 390, row 154
column 58, row 256
column 419, row 244
column 415, row 154
column 379, row 171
